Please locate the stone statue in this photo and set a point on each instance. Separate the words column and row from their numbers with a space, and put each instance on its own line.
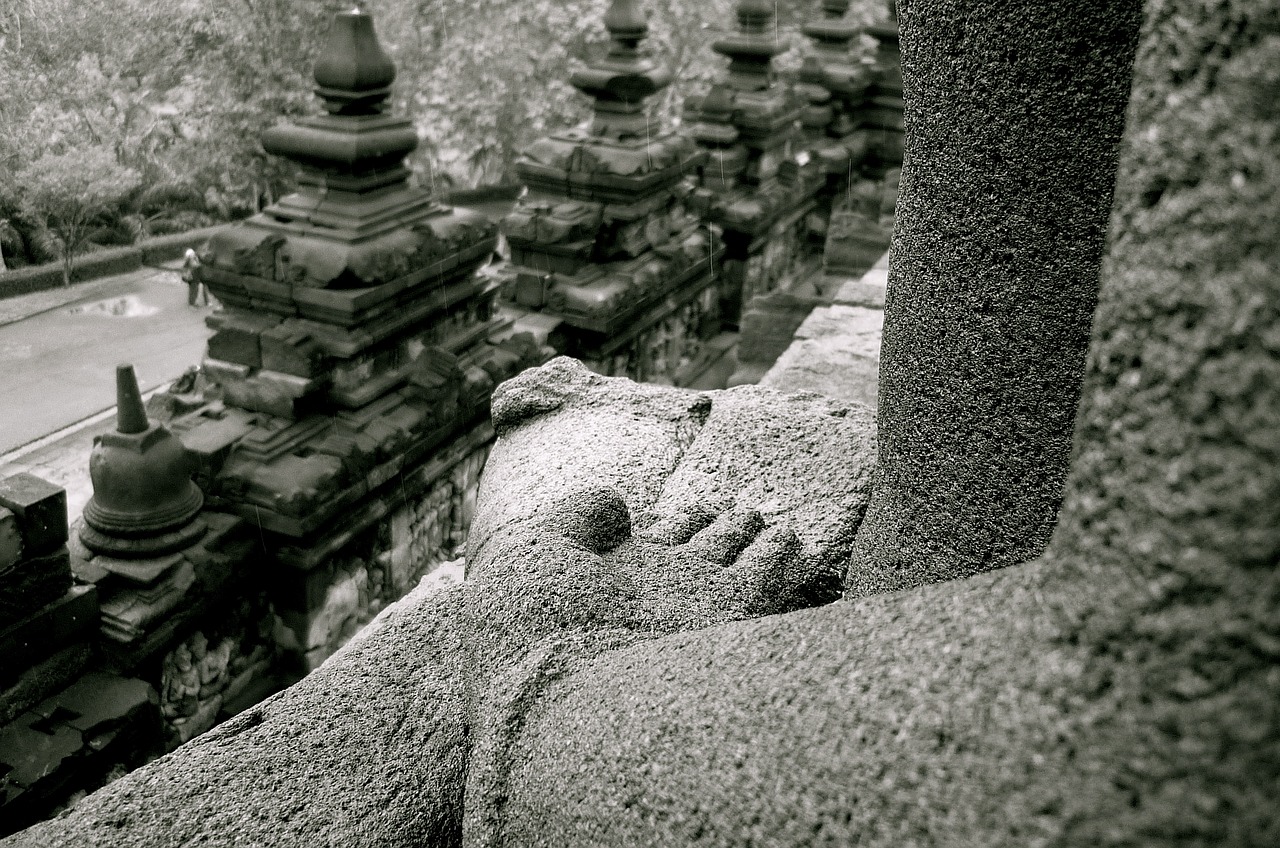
column 212, row 663
column 180, row 684
column 646, row 648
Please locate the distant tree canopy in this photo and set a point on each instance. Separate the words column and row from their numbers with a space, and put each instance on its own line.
column 179, row 93
column 67, row 192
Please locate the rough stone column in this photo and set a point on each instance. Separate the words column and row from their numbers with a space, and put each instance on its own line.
column 1185, row 341
column 1013, row 116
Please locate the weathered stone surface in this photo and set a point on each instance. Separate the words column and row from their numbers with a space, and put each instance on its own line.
column 10, row 539
column 71, row 618
column 22, row 688
column 836, row 352
column 1120, row 691
column 41, row 508
column 747, row 554
column 1001, row 219
column 32, row 583
column 237, row 336
column 867, row 290
column 272, row 776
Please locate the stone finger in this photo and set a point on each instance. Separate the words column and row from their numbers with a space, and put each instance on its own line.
column 727, row 536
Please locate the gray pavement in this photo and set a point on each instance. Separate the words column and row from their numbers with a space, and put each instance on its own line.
column 59, row 349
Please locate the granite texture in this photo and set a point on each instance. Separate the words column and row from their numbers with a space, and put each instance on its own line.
column 1120, row 690
column 612, row 674
column 659, row 511
column 1013, row 114
column 836, row 351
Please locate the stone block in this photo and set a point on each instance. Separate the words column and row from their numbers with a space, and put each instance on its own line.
column 768, row 327
column 10, row 539
column 22, row 688
column 237, row 337
column 97, row 700
column 220, row 371
column 856, row 327
column 290, row 349
column 128, row 613
column 70, row 740
column 828, row 367
column 72, row 618
column 281, row 395
column 33, row 583
column 209, row 438
column 836, row 353
column 142, row 571
column 867, row 290
column 41, row 509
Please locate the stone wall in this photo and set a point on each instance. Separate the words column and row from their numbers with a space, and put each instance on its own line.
column 382, row 563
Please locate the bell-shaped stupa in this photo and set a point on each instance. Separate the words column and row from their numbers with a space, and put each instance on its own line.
column 143, row 500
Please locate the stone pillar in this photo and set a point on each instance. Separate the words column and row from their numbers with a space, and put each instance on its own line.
column 1006, row 188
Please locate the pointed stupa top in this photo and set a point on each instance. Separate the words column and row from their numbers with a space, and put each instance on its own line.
column 752, row 48
column 353, row 80
column 833, row 30
column 622, row 80
column 626, row 23
column 131, row 415
column 355, row 222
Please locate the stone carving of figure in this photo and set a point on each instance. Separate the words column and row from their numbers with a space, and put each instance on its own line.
column 377, row 590
column 180, row 685
column 212, row 665
column 361, row 579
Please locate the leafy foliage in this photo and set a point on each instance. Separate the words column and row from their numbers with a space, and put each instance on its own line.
column 68, row 192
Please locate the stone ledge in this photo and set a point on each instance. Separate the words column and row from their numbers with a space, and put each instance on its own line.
column 867, row 290
column 836, row 351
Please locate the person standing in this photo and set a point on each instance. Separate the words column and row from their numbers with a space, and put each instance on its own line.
column 195, row 288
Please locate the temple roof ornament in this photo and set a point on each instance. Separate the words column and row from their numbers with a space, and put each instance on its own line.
column 833, row 29
column 602, row 238
column 355, row 222
column 354, row 74
column 624, row 77
column 752, row 48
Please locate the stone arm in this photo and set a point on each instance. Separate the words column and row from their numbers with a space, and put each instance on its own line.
column 659, row 511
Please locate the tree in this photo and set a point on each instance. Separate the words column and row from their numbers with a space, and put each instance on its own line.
column 68, row 192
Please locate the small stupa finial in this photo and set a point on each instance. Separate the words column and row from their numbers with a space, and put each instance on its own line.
column 354, row 74
column 131, row 415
